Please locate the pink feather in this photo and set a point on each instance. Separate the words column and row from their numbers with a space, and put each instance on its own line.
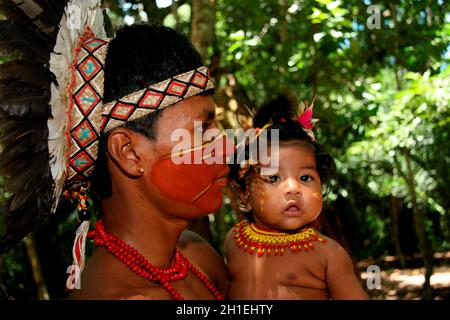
column 305, row 118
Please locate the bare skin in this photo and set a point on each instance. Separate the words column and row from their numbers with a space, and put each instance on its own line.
column 320, row 274
column 106, row 278
column 140, row 215
column 291, row 199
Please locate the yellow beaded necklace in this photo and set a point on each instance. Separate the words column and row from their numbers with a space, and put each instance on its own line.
column 251, row 237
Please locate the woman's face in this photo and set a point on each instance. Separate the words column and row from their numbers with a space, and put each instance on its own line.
column 193, row 188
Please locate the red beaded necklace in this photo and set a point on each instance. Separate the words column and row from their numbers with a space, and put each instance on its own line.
column 139, row 265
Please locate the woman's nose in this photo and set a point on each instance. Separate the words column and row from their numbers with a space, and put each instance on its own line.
column 221, row 148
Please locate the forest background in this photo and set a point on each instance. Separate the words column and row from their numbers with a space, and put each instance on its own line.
column 381, row 76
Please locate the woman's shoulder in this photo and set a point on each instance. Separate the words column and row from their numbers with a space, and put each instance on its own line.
column 193, row 246
column 202, row 254
column 189, row 237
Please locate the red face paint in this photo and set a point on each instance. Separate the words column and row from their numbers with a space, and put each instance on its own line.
column 198, row 185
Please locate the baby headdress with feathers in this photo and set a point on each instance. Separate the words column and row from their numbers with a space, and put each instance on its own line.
column 51, row 109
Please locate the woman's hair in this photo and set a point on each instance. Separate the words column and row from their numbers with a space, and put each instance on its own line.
column 280, row 113
column 139, row 56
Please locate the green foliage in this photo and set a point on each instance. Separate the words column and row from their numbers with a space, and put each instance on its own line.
column 414, row 119
column 379, row 91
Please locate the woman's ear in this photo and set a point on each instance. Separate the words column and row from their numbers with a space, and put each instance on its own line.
column 122, row 149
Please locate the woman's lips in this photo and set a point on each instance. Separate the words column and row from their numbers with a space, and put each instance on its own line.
column 222, row 182
column 222, row 179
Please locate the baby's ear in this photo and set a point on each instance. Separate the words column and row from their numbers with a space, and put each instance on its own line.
column 236, row 185
column 244, row 203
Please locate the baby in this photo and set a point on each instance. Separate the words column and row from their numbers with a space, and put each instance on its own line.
column 277, row 253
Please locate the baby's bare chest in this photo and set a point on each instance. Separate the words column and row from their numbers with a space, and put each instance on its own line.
column 292, row 276
column 291, row 269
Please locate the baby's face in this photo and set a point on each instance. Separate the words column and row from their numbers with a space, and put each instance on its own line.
column 292, row 197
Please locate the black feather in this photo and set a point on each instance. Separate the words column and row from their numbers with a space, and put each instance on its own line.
column 21, row 146
column 51, row 16
column 24, row 71
column 25, row 107
column 33, row 42
column 24, row 111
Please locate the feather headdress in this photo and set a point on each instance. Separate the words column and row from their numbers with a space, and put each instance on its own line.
column 27, row 38
column 37, row 109
column 79, row 16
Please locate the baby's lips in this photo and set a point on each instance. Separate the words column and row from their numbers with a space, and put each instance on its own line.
column 292, row 204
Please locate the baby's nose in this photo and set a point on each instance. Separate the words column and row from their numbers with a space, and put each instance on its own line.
column 293, row 187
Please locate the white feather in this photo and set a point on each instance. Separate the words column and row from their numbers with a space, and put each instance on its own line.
column 78, row 13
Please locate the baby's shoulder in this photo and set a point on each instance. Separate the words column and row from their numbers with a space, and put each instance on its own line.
column 330, row 243
column 331, row 249
column 230, row 239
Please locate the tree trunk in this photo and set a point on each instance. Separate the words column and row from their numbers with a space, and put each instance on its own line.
column 203, row 25
column 419, row 219
column 3, row 293
column 35, row 263
column 395, row 230
column 174, row 10
column 429, row 13
column 284, row 6
column 315, row 67
column 154, row 14
column 330, row 225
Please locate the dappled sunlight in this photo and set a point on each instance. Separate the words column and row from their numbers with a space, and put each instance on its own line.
column 415, row 277
column 407, row 283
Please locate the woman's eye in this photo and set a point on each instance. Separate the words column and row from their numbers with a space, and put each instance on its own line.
column 306, row 178
column 205, row 126
column 273, row 179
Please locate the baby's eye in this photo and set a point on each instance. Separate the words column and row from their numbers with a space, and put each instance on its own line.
column 273, row 179
column 306, row 178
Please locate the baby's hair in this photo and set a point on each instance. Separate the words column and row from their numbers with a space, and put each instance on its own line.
column 280, row 113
